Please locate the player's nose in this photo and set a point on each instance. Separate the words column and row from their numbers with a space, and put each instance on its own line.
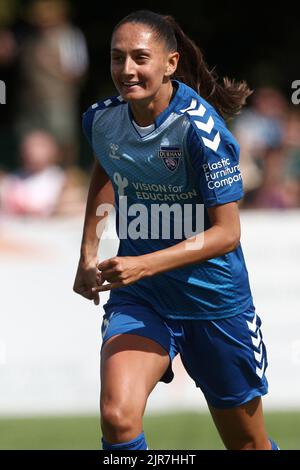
column 128, row 68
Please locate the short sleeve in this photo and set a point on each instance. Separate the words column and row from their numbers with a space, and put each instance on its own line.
column 215, row 159
column 87, row 124
column 96, row 108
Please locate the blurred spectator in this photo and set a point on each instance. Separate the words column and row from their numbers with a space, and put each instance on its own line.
column 8, row 10
column 41, row 187
column 260, row 130
column 8, row 47
column 275, row 191
column 292, row 140
column 53, row 63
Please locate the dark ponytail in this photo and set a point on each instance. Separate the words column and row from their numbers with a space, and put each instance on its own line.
column 228, row 97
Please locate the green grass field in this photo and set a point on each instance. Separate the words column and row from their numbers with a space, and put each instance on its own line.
column 169, row 431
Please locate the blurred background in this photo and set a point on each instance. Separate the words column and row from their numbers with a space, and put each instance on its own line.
column 54, row 60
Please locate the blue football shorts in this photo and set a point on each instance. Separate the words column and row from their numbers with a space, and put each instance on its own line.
column 226, row 358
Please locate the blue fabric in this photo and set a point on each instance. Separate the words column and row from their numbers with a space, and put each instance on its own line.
column 226, row 358
column 274, row 445
column 189, row 163
column 138, row 443
column 87, row 121
column 218, row 173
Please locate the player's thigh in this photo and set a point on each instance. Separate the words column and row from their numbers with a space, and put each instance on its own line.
column 243, row 426
column 131, row 366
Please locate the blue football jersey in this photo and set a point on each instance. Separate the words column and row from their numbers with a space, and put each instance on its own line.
column 164, row 182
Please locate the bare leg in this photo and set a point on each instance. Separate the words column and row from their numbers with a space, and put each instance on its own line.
column 243, row 427
column 131, row 366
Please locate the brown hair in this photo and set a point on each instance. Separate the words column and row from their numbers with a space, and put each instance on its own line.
column 228, row 97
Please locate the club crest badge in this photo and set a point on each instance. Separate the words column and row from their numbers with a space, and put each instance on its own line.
column 171, row 156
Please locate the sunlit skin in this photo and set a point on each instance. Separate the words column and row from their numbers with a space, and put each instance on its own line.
column 141, row 68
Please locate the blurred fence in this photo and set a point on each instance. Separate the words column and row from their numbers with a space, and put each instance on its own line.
column 50, row 337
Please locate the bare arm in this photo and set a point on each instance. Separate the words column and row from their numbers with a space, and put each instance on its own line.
column 100, row 193
column 222, row 237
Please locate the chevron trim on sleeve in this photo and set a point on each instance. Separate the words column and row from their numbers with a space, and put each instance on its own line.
column 207, row 124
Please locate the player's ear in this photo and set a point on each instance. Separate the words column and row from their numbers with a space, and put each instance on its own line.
column 172, row 62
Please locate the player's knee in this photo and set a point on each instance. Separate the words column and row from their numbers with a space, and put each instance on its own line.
column 117, row 417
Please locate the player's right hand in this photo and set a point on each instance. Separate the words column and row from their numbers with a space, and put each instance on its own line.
column 87, row 277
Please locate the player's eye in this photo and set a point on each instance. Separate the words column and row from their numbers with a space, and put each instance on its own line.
column 142, row 58
column 117, row 58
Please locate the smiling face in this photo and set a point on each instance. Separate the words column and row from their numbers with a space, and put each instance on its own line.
column 141, row 66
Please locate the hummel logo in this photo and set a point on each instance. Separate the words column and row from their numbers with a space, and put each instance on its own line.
column 113, row 149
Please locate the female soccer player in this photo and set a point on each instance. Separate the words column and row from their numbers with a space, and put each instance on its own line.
column 179, row 282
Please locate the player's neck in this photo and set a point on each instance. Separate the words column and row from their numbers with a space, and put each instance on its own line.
column 145, row 112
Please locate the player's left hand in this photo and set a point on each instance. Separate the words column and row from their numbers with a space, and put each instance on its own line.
column 120, row 271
